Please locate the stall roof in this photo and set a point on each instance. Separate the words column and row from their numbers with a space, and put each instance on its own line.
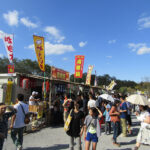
column 42, row 78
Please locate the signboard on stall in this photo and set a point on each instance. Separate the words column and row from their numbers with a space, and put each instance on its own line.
column 60, row 74
column 10, row 69
column 88, row 78
column 79, row 63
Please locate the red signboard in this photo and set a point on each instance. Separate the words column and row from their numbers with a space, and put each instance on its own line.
column 10, row 68
column 60, row 74
column 79, row 63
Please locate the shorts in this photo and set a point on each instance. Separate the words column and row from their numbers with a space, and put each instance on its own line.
column 129, row 120
column 92, row 137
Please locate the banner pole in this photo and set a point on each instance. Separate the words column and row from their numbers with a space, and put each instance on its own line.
column 44, row 88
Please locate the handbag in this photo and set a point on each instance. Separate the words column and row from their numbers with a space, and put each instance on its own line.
column 27, row 116
column 68, row 121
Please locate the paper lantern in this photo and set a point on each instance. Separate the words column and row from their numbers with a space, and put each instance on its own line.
column 46, row 86
column 25, row 83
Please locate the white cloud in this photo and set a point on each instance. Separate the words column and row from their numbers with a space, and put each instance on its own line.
column 144, row 23
column 82, row 44
column 55, row 33
column 11, row 18
column 108, row 56
column 1, row 34
column 55, row 49
column 134, row 46
column 111, row 41
column 143, row 50
column 28, row 23
column 140, row 48
column 1, row 55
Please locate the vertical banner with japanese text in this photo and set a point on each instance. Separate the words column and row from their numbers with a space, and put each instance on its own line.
column 88, row 78
column 79, row 64
column 39, row 50
column 11, row 68
column 9, row 92
column 111, row 85
column 8, row 41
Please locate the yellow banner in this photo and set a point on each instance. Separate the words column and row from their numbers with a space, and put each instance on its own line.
column 8, row 93
column 39, row 50
column 88, row 78
column 111, row 85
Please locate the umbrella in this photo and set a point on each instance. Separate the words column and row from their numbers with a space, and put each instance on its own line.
column 138, row 99
column 107, row 97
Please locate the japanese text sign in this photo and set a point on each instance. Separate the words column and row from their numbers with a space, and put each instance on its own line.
column 79, row 63
column 88, row 78
column 39, row 50
column 8, row 41
column 10, row 68
column 60, row 74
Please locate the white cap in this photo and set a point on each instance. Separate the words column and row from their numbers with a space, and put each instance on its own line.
column 33, row 93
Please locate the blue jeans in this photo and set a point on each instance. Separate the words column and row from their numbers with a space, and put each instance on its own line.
column 117, row 130
column 18, row 141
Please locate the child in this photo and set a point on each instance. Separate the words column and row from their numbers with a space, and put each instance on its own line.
column 107, row 120
column 4, row 122
column 92, row 128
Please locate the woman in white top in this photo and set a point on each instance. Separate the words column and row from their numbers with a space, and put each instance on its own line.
column 144, row 133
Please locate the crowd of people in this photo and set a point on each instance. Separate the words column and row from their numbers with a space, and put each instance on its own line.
column 88, row 113
column 84, row 115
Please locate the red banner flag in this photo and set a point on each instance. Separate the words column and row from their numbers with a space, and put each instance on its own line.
column 79, row 63
column 10, row 68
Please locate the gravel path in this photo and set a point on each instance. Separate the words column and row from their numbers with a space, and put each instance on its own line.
column 56, row 139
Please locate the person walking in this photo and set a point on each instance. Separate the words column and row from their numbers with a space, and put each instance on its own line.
column 66, row 106
column 17, row 124
column 91, row 102
column 123, row 116
column 76, row 126
column 144, row 133
column 129, row 120
column 107, row 119
column 115, row 119
column 4, row 116
column 92, row 129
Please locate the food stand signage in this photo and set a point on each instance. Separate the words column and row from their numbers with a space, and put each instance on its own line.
column 60, row 74
column 79, row 63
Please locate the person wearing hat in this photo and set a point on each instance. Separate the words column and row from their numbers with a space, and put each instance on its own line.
column 32, row 99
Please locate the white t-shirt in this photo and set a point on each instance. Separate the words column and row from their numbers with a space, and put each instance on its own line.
column 142, row 117
column 91, row 103
column 31, row 102
column 19, row 121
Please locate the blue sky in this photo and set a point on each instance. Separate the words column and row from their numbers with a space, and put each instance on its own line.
column 114, row 35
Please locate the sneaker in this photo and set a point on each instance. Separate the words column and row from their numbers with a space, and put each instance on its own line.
column 116, row 144
column 19, row 147
column 122, row 135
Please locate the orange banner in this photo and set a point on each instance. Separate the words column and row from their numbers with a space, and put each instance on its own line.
column 39, row 50
column 79, row 63
column 88, row 78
